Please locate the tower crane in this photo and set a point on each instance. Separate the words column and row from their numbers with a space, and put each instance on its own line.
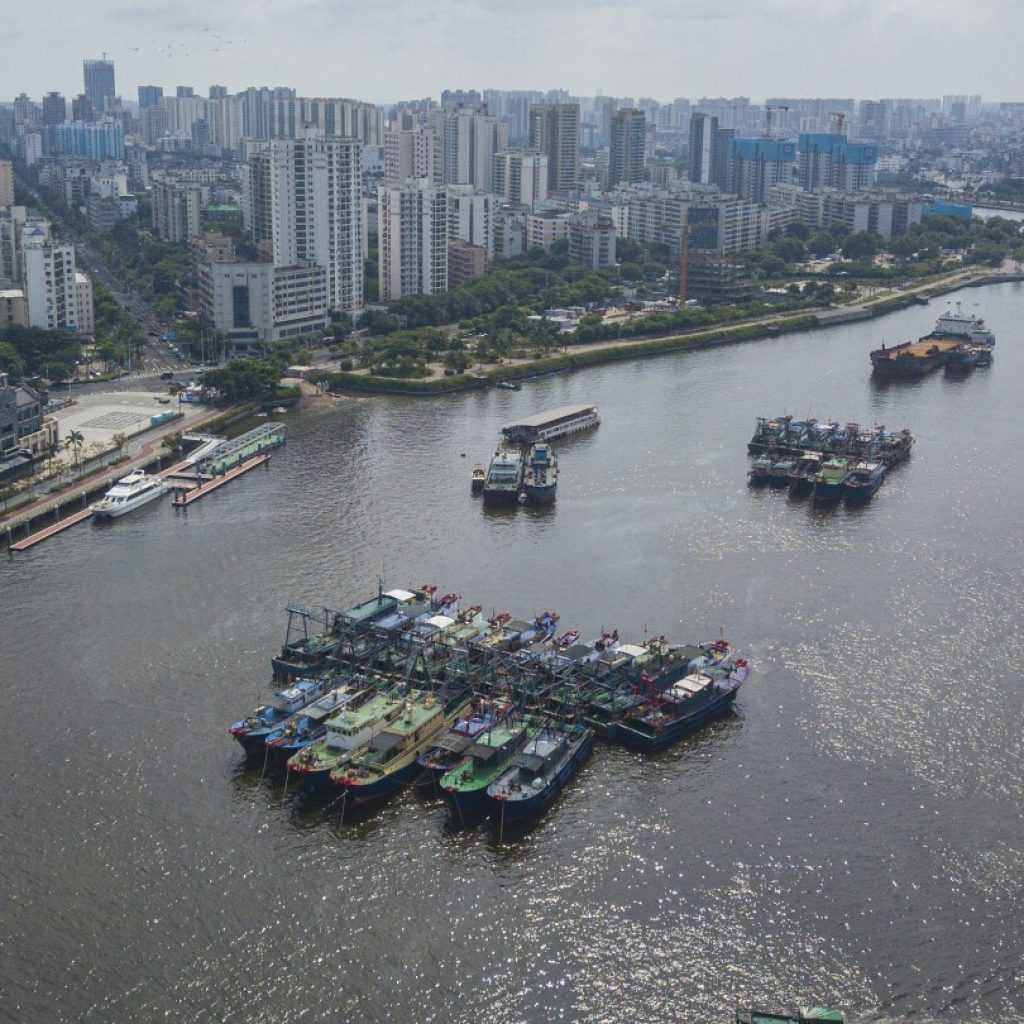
column 840, row 117
column 768, row 109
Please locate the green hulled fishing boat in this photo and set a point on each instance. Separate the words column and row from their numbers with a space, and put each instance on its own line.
column 492, row 753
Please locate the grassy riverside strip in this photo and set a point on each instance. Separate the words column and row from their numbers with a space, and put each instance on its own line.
column 611, row 352
column 355, row 382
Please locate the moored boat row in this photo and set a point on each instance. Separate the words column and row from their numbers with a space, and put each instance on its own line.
column 497, row 714
column 782, row 436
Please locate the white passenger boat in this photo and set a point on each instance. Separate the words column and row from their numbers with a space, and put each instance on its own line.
column 130, row 492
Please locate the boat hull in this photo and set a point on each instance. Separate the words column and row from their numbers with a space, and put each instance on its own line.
column 827, row 494
column 539, row 495
column 358, row 794
column 500, row 499
column 800, row 486
column 253, row 742
column 674, row 731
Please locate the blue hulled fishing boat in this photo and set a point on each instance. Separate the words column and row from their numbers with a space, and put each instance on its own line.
column 668, row 715
column 252, row 732
column 863, row 481
column 541, row 771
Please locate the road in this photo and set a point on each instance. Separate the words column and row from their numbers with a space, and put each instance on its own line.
column 157, row 355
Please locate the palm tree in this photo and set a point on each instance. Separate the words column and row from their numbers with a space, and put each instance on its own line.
column 74, row 440
column 120, row 440
column 176, row 389
column 51, row 451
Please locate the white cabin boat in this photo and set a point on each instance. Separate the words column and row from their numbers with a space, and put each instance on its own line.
column 130, row 492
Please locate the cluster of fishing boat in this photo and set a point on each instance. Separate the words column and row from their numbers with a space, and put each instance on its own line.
column 828, row 461
column 959, row 342
column 512, row 477
column 492, row 713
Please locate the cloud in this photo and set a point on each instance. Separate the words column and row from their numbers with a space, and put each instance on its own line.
column 661, row 48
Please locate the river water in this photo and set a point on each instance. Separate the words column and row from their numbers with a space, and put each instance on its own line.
column 852, row 834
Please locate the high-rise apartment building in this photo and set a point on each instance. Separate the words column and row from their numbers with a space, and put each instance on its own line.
column 82, row 109
column 50, row 286
column 555, row 131
column 628, row 139
column 412, row 226
column 176, row 211
column 592, row 241
column 99, row 83
column 521, row 176
column 873, row 119
column 466, row 140
column 150, row 96
column 758, row 164
column 703, row 132
column 55, row 109
column 304, row 198
column 6, row 183
column 471, row 215
column 410, row 153
column 832, row 161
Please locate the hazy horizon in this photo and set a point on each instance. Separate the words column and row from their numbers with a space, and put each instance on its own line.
column 692, row 48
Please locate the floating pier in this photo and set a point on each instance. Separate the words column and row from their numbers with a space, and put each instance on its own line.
column 58, row 527
column 201, row 484
column 229, row 454
column 225, row 462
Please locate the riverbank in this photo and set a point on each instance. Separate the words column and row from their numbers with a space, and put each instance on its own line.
column 152, row 452
column 596, row 353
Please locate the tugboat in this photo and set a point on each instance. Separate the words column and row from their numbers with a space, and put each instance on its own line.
column 504, row 478
column 541, row 475
column 478, row 479
column 863, row 481
column 828, row 482
column 541, row 771
column 801, row 479
column 806, row 1015
column 963, row 359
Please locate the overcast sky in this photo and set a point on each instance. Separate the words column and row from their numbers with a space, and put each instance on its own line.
column 384, row 51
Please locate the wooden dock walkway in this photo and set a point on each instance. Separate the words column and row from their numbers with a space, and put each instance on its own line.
column 194, row 491
column 49, row 531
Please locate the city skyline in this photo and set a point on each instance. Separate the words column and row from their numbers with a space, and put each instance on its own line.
column 693, row 48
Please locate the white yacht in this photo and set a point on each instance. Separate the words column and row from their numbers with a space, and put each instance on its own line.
column 130, row 492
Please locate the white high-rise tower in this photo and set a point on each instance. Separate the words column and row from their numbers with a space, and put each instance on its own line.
column 304, row 202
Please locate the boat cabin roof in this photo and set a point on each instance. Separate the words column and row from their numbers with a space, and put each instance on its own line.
column 632, row 650
column 401, row 595
column 542, row 419
column 370, row 609
column 385, row 741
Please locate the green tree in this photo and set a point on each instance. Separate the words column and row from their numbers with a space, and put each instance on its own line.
column 74, row 440
column 861, row 245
